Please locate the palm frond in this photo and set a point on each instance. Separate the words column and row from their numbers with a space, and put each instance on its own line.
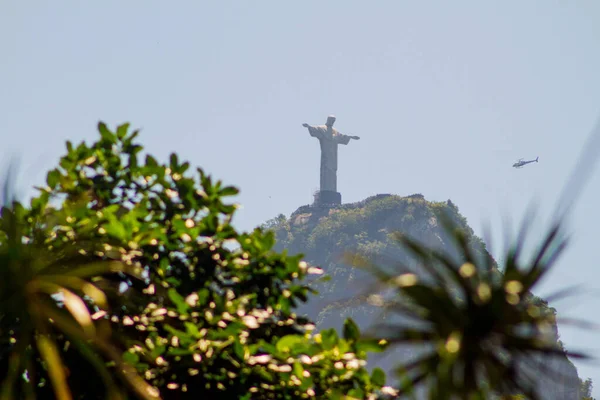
column 482, row 332
column 47, row 293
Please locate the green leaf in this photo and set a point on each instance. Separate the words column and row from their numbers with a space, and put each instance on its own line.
column 378, row 377
column 330, row 338
column 151, row 161
column 173, row 281
column 163, row 265
column 203, row 295
column 158, row 350
column 288, row 343
column 116, row 229
column 356, row 394
column 53, row 178
column 174, row 351
column 173, row 161
column 131, row 358
column 370, row 345
column 238, row 349
column 178, row 300
column 122, row 130
column 229, row 191
column 351, row 330
column 192, row 329
column 298, row 370
column 105, row 132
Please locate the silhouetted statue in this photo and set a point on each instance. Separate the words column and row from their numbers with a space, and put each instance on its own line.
column 330, row 139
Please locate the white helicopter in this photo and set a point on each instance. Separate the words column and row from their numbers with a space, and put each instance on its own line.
column 520, row 163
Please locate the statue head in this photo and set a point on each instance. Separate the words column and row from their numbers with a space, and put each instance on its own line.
column 330, row 120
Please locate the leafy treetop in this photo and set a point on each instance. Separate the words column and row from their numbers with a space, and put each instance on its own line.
column 205, row 310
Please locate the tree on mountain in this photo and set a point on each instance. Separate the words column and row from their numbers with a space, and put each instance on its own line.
column 586, row 389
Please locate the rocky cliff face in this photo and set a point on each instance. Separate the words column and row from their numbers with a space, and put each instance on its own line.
column 324, row 235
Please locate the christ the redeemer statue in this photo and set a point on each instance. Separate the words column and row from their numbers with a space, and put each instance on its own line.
column 330, row 139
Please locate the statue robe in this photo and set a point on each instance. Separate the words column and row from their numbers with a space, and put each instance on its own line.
column 329, row 139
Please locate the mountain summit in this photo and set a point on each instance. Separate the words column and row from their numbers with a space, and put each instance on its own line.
column 327, row 235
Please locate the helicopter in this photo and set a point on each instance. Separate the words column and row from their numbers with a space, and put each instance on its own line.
column 520, row 163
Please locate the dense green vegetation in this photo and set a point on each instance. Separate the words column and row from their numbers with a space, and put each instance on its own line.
column 366, row 233
column 369, row 229
column 205, row 311
column 124, row 278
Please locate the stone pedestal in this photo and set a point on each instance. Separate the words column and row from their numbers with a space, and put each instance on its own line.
column 326, row 197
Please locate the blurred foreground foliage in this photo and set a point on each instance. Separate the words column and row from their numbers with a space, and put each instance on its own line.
column 485, row 333
column 129, row 271
column 158, row 279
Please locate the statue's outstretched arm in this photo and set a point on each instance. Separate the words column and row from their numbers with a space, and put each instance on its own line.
column 313, row 131
column 346, row 138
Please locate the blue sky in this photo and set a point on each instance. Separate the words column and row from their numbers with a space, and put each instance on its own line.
column 444, row 96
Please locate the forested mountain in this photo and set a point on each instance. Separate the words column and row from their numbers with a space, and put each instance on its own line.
column 331, row 236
